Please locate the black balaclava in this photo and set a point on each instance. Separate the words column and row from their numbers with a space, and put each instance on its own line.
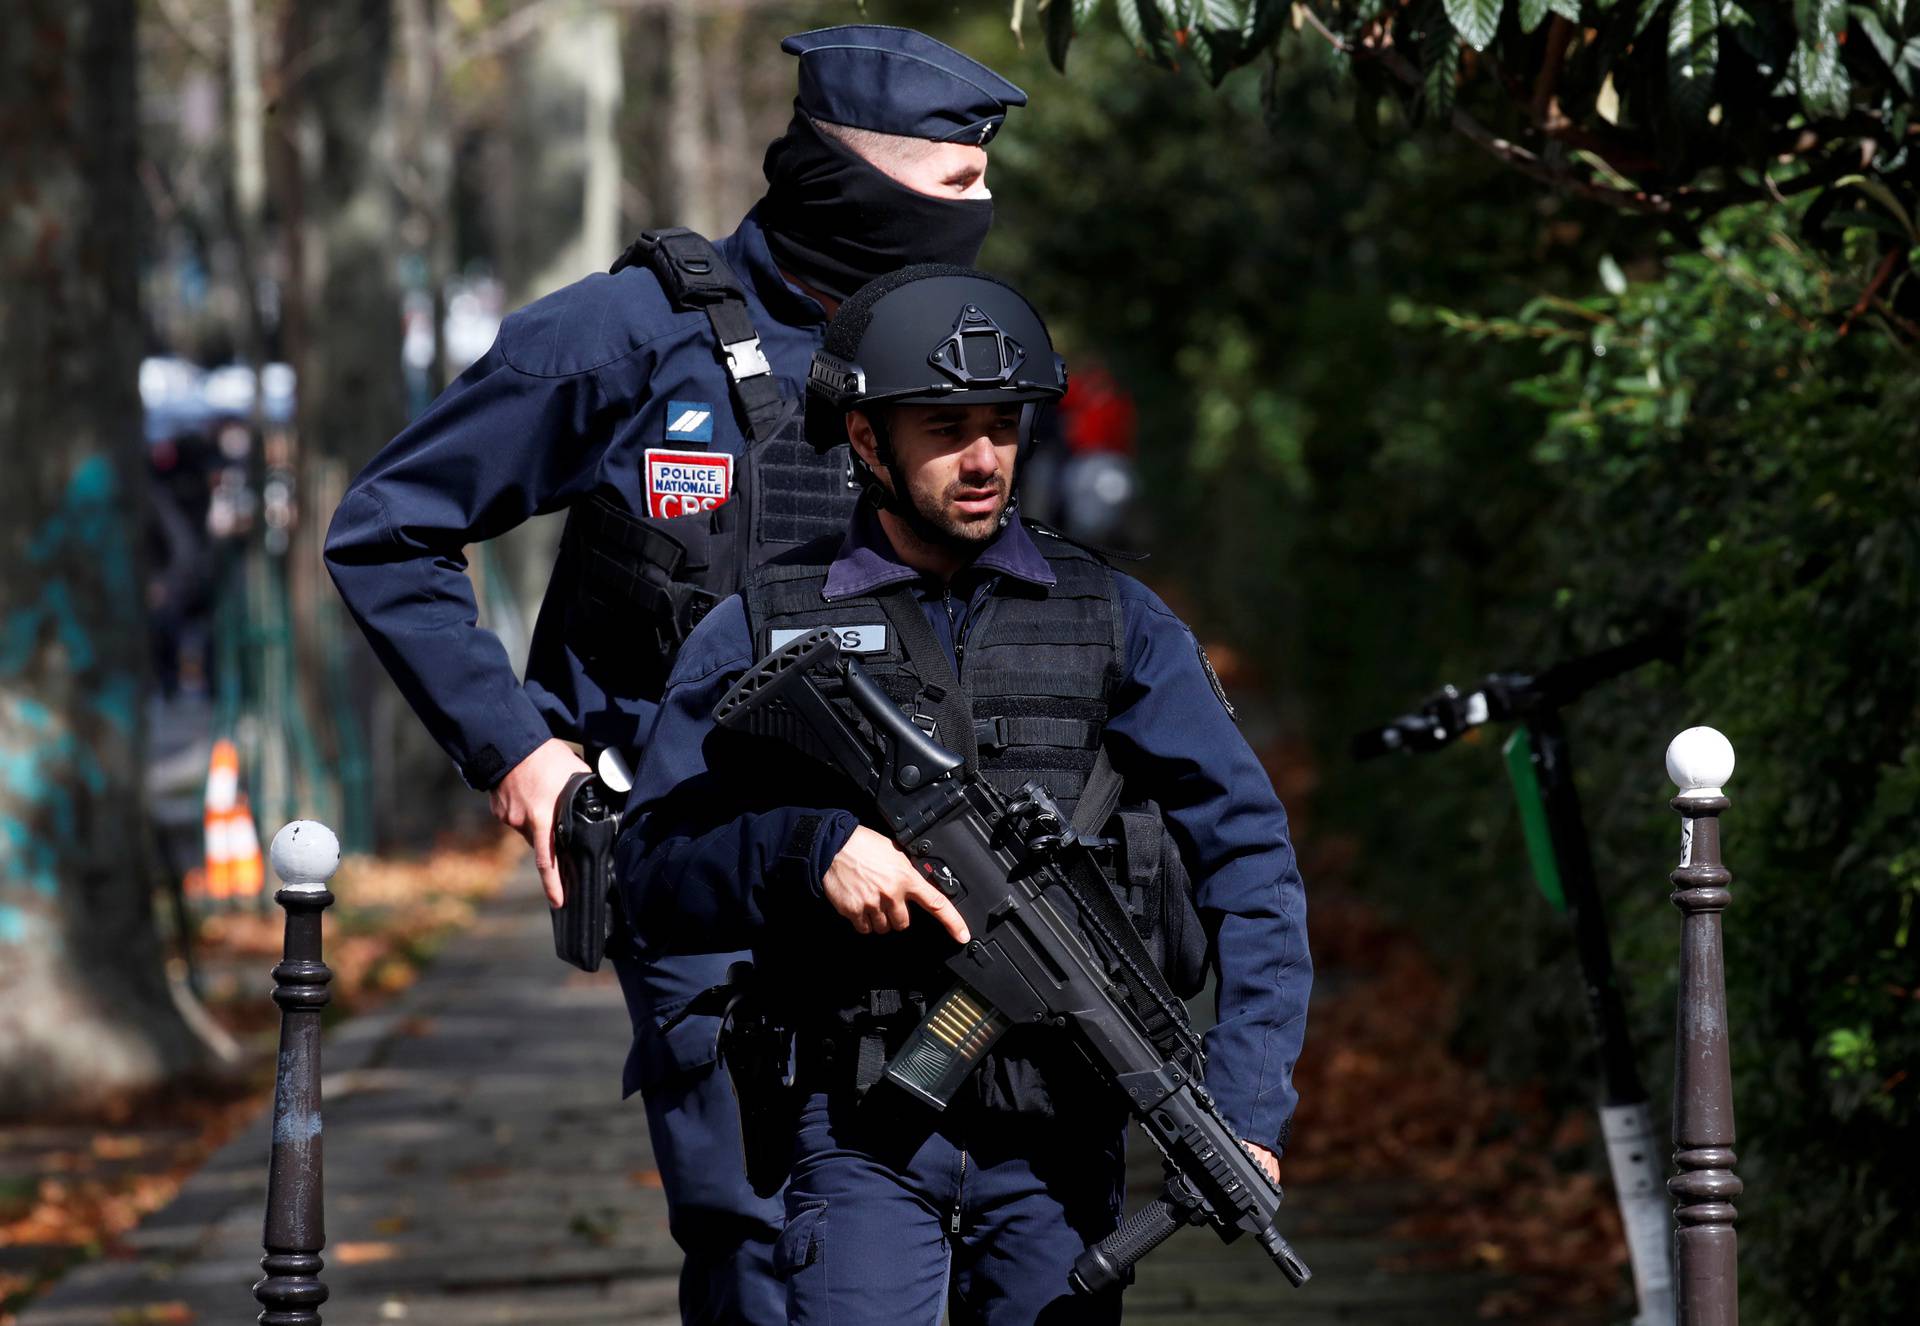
column 836, row 221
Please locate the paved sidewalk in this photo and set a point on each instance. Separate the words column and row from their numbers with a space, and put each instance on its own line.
column 480, row 1169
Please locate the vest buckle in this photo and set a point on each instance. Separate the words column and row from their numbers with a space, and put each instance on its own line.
column 745, row 359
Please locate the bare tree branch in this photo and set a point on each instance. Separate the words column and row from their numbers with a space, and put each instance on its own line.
column 1527, row 162
column 197, row 34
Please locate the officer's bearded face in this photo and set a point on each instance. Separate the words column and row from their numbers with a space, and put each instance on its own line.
column 957, row 460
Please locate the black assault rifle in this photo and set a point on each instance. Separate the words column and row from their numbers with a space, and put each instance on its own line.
column 1032, row 897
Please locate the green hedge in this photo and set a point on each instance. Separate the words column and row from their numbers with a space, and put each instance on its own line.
column 1407, row 419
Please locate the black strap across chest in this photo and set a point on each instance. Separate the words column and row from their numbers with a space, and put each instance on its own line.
column 952, row 710
column 694, row 276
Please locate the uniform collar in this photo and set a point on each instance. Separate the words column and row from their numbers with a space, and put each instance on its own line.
column 867, row 561
column 746, row 251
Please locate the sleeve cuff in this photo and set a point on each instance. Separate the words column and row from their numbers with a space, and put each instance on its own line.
column 488, row 764
column 816, row 838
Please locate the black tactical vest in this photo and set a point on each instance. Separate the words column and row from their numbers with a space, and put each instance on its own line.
column 1038, row 670
column 640, row 583
column 1039, row 666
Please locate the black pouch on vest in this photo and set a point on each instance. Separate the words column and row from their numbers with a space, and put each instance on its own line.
column 1147, row 876
column 1152, row 881
column 636, row 591
column 584, row 828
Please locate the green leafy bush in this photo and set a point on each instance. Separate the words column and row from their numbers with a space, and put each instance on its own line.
column 1406, row 421
column 1740, row 434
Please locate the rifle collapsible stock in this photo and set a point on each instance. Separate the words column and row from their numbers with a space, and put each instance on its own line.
column 1049, row 945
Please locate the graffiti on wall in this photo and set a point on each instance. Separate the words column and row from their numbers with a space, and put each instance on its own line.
column 46, row 762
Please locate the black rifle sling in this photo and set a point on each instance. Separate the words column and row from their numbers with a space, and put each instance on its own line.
column 1098, row 801
column 694, row 275
column 952, row 712
column 1163, row 1012
column 1153, row 998
column 1100, row 797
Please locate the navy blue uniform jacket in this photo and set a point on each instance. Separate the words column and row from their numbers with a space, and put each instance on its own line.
column 574, row 391
column 697, row 871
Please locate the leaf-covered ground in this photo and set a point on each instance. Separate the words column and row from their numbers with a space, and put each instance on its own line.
column 69, row 1188
column 1513, row 1183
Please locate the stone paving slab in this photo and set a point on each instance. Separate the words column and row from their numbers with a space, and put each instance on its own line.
column 480, row 1168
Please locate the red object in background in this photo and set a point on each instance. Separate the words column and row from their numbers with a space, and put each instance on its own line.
column 1097, row 415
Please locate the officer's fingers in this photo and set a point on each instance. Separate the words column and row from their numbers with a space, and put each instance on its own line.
column 935, row 903
column 894, row 907
column 550, row 881
column 1264, row 1158
column 539, row 832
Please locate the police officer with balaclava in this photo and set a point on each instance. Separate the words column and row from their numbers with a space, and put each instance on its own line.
column 1036, row 661
column 659, row 406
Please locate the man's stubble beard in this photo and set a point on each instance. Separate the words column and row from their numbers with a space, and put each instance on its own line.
column 971, row 535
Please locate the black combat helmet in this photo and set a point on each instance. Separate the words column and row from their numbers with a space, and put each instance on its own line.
column 925, row 335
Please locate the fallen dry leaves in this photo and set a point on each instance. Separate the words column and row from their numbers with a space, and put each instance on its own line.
column 69, row 1188
column 1508, row 1184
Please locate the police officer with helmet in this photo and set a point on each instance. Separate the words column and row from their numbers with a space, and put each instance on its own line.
column 659, row 405
column 1034, row 659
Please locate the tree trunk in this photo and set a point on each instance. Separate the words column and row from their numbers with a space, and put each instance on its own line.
column 342, row 213
column 335, row 71
column 85, row 1007
column 689, row 146
column 737, row 169
column 564, row 197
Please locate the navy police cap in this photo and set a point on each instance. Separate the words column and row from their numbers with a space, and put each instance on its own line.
column 898, row 81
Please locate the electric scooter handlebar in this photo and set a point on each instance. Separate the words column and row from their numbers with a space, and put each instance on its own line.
column 1511, row 694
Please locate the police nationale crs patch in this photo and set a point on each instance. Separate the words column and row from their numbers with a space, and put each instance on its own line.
column 685, row 483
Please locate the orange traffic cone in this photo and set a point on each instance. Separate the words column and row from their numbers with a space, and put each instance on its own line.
column 223, row 791
column 249, row 869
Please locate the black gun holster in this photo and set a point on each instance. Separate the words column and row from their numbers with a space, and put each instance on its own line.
column 758, row 1050
column 584, row 829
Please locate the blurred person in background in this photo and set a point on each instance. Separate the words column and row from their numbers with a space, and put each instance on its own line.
column 659, row 406
column 1080, row 475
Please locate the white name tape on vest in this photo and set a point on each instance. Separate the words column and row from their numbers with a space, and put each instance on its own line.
column 685, row 483
column 853, row 639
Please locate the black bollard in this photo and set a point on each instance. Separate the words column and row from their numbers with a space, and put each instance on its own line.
column 305, row 855
column 1700, row 761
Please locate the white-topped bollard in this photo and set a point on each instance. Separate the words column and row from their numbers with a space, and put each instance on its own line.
column 1700, row 762
column 305, row 854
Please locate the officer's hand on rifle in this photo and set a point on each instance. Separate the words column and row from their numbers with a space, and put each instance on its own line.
column 871, row 882
column 525, row 801
column 1268, row 1161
